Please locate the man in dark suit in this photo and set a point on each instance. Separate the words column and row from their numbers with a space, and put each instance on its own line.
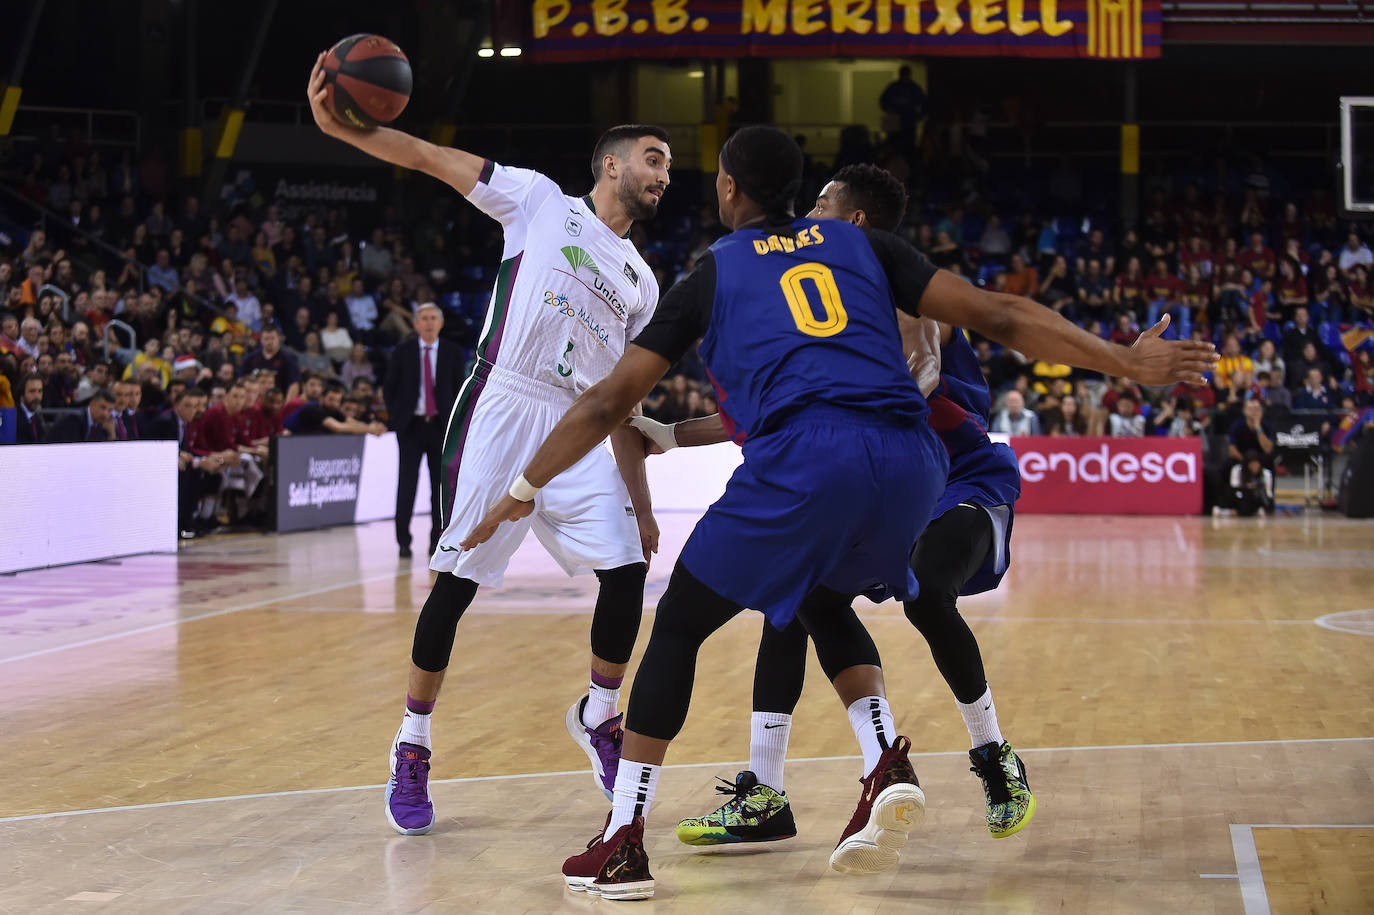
column 93, row 424
column 421, row 384
column 128, row 393
column 31, row 429
column 197, row 465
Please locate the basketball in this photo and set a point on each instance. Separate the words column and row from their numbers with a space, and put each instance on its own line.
column 367, row 80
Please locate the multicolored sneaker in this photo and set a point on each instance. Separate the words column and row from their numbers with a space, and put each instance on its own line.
column 601, row 744
column 616, row 868
column 892, row 804
column 754, row 813
column 408, row 807
column 1010, row 802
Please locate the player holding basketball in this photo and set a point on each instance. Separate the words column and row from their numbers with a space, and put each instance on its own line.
column 965, row 550
column 570, row 293
column 801, row 339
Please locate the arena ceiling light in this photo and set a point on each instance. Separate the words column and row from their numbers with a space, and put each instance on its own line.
column 510, row 51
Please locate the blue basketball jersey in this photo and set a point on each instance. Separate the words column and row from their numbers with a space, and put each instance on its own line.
column 800, row 321
column 980, row 471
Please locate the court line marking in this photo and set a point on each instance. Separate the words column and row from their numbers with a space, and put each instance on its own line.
column 1253, row 894
column 165, row 624
column 571, row 607
column 299, row 792
column 1334, row 621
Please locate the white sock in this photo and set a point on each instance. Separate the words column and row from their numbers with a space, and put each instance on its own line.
column 602, row 705
column 415, row 729
column 768, row 733
column 635, row 784
column 980, row 716
column 872, row 722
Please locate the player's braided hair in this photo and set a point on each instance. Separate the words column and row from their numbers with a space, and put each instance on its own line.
column 767, row 167
column 876, row 191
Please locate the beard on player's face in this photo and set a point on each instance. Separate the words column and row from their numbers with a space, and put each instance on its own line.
column 635, row 197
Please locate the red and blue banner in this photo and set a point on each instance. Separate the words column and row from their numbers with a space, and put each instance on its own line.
column 575, row 30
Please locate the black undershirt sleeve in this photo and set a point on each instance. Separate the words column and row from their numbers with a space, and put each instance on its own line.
column 908, row 271
column 683, row 313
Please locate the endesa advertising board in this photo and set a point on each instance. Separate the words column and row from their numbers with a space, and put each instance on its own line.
column 1109, row 476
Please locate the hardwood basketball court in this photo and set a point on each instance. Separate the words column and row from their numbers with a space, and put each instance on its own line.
column 1193, row 698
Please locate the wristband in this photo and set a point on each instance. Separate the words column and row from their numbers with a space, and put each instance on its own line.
column 522, row 491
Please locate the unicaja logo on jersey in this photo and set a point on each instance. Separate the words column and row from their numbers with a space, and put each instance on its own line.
column 577, row 259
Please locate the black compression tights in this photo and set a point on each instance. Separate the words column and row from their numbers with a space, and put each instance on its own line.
column 438, row 621
column 615, row 624
column 690, row 612
column 687, row 614
column 619, row 606
column 841, row 642
column 949, row 553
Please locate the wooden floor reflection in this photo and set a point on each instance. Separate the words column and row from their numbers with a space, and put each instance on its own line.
column 207, row 732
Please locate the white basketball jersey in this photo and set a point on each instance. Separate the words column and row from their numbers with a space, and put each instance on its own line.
column 570, row 293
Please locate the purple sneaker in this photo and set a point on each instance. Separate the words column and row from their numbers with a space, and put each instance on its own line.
column 408, row 807
column 601, row 744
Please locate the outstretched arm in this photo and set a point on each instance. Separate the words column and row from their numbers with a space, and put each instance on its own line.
column 456, row 168
column 1030, row 328
column 591, row 418
column 1042, row 333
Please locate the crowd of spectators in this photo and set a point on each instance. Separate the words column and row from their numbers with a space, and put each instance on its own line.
column 283, row 319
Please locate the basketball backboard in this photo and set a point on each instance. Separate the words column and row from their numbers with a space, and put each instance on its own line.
column 1357, row 156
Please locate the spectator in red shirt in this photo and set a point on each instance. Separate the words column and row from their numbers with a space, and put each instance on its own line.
column 101, row 310
column 1263, row 308
column 1121, row 387
column 1292, row 250
column 1360, row 297
column 1290, row 226
column 219, row 424
column 1162, row 290
column 1195, row 293
column 1125, row 332
column 1196, row 253
column 1229, row 254
column 1203, row 395
column 1130, row 286
column 1363, row 370
column 1291, row 289
column 9, row 335
column 1258, row 257
column 1191, row 217
column 268, row 415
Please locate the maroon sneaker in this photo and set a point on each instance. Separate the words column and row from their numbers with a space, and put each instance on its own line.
column 617, row 868
column 892, row 804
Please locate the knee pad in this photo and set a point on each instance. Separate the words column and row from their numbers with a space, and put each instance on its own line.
column 619, row 606
column 438, row 622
